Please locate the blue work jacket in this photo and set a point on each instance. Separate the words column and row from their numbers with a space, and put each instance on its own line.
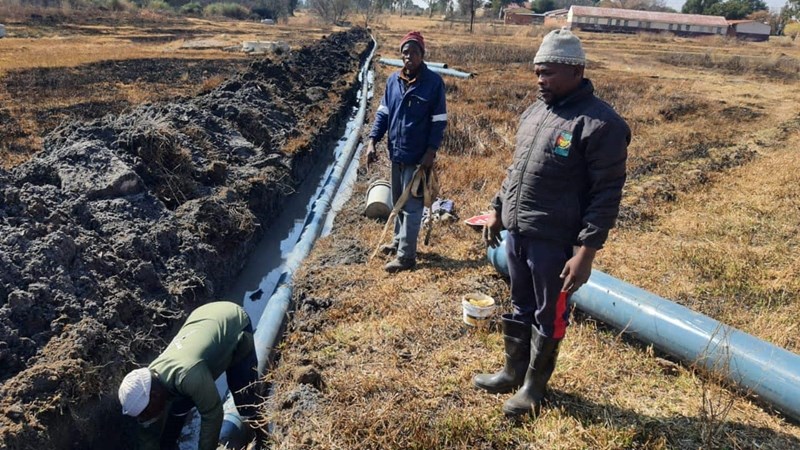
column 415, row 116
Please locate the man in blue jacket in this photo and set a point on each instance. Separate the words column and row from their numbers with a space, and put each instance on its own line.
column 414, row 113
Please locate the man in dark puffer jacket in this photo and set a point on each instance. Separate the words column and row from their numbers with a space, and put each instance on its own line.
column 563, row 189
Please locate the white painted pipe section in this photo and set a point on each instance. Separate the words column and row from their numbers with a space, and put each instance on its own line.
column 440, row 70
column 399, row 63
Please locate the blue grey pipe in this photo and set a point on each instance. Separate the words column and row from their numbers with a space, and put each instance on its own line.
column 766, row 370
column 273, row 318
column 440, row 70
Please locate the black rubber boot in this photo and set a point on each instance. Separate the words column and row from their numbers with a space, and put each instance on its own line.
column 517, row 339
column 528, row 399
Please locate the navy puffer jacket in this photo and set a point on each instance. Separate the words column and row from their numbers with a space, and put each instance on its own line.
column 565, row 182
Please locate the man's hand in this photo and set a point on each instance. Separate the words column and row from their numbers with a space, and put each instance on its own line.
column 427, row 159
column 491, row 231
column 577, row 269
column 372, row 155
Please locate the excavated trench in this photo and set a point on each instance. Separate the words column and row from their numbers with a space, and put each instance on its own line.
column 123, row 225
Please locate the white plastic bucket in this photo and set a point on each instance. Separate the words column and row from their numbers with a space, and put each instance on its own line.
column 478, row 309
column 379, row 200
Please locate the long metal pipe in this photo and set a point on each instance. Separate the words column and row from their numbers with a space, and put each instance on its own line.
column 764, row 369
column 441, row 70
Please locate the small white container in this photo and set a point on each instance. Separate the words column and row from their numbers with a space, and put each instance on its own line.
column 379, row 200
column 478, row 309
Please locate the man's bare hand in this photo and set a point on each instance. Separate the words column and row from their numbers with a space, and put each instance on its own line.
column 428, row 159
column 372, row 155
column 491, row 231
column 578, row 269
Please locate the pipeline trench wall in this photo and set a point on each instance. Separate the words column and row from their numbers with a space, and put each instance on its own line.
column 123, row 225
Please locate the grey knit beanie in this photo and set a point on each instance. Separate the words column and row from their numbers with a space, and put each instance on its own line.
column 562, row 47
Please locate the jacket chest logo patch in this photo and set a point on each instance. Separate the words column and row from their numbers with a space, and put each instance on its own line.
column 563, row 141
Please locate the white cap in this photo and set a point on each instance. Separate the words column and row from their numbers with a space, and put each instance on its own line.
column 134, row 392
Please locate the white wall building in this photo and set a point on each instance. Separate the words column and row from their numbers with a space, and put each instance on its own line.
column 590, row 18
column 749, row 30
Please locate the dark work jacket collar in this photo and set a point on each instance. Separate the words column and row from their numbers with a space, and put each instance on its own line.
column 584, row 90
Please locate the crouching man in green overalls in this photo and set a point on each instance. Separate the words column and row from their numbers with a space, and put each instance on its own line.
column 216, row 338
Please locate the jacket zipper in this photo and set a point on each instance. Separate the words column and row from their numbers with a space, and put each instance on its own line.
column 525, row 167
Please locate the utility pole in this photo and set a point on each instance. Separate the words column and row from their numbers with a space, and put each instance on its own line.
column 471, row 14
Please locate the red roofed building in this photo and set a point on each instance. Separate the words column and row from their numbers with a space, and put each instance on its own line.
column 613, row 20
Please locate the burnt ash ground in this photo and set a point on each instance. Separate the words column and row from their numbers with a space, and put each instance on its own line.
column 122, row 225
column 43, row 98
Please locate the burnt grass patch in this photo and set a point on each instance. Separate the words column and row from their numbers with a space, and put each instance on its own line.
column 48, row 97
column 123, row 224
column 42, row 83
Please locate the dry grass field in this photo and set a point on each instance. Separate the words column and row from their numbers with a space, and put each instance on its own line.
column 377, row 361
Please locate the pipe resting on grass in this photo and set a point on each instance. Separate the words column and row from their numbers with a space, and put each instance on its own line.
column 756, row 366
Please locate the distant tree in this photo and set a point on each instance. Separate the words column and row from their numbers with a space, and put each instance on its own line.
column 367, row 9
column 192, row 9
column 431, row 4
column 698, row 6
column 730, row 9
column 791, row 10
column 641, row 5
column 331, row 11
column 736, row 9
column 541, row 6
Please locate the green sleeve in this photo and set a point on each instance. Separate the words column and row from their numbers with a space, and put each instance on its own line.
column 198, row 384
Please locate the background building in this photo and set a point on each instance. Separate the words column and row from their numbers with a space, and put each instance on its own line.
column 749, row 30
column 615, row 20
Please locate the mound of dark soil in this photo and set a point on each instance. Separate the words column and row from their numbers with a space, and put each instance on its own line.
column 124, row 224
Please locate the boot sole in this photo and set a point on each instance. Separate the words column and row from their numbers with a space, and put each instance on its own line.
column 516, row 413
column 533, row 411
column 494, row 390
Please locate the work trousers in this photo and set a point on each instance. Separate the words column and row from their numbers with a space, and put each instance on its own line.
column 409, row 219
column 535, row 266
